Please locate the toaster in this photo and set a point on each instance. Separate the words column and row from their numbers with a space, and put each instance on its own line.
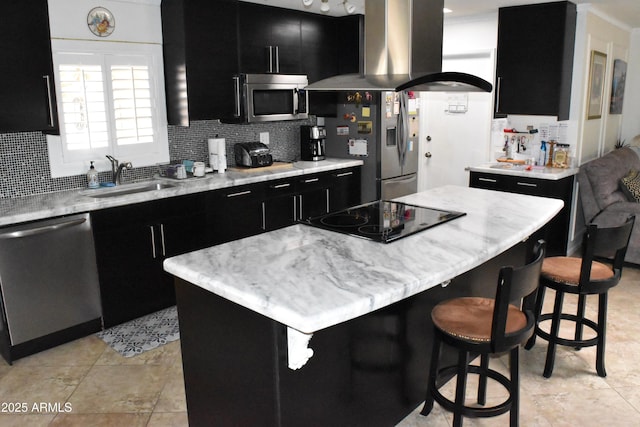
column 252, row 154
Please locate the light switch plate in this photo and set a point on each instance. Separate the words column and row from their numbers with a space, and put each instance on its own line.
column 264, row 137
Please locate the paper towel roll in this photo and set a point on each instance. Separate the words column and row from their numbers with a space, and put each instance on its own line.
column 217, row 154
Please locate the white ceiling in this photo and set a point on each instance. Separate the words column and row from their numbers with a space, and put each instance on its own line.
column 625, row 11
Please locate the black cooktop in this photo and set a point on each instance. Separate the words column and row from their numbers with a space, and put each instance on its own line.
column 383, row 221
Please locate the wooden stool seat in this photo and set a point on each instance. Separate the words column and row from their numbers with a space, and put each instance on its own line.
column 566, row 270
column 471, row 318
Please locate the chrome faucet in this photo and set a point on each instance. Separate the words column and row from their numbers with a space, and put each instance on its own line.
column 117, row 168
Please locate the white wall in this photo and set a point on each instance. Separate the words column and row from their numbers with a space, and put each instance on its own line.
column 597, row 32
column 631, row 106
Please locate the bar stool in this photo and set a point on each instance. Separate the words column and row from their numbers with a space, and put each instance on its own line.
column 582, row 276
column 484, row 326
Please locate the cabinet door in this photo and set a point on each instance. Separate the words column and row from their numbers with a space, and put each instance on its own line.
column 234, row 213
column 263, row 26
column 313, row 196
column 131, row 244
column 535, row 59
column 279, row 204
column 344, row 190
column 200, row 41
column 27, row 94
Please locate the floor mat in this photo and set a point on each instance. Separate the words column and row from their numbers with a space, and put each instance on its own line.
column 143, row 334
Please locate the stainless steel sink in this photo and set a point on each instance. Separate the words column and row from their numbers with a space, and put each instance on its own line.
column 127, row 189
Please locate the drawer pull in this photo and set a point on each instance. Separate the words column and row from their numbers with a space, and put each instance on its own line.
column 340, row 175
column 310, row 180
column 527, row 184
column 241, row 193
column 278, row 186
column 488, row 180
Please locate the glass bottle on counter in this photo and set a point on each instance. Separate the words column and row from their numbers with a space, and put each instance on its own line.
column 561, row 156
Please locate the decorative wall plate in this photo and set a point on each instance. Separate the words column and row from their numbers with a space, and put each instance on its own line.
column 101, row 22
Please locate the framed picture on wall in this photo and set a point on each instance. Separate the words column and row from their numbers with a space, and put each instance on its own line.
column 617, row 86
column 596, row 84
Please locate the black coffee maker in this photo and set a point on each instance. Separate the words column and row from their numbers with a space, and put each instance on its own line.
column 312, row 139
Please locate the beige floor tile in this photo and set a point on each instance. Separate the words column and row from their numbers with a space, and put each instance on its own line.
column 26, row 420
column 101, row 420
column 587, row 408
column 119, row 389
column 172, row 397
column 41, row 384
column 81, row 352
column 175, row 419
column 631, row 395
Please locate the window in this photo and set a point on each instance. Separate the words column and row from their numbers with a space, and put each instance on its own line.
column 110, row 101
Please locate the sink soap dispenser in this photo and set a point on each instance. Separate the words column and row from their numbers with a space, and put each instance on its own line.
column 92, row 177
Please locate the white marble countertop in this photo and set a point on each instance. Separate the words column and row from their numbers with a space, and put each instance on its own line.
column 539, row 172
column 309, row 279
column 13, row 211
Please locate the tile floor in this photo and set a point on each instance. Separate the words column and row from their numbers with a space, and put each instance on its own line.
column 85, row 383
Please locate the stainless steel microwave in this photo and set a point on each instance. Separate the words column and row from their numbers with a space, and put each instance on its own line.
column 270, row 97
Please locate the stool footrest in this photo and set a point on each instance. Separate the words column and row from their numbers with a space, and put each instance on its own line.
column 469, row 411
column 566, row 341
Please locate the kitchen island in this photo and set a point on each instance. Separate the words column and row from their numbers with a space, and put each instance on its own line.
column 247, row 309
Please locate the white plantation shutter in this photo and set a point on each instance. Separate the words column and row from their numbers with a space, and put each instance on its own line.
column 110, row 102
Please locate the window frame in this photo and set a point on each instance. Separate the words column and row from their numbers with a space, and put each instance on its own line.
column 107, row 54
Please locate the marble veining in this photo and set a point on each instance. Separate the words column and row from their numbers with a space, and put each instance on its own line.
column 520, row 170
column 309, row 279
column 23, row 209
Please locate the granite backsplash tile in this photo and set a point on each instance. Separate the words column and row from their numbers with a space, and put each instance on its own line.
column 24, row 161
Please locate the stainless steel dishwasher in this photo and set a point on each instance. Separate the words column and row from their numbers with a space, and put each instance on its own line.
column 49, row 284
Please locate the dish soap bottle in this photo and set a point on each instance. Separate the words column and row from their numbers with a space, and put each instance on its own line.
column 92, row 177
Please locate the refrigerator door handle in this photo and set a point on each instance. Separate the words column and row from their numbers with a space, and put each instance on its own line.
column 402, row 131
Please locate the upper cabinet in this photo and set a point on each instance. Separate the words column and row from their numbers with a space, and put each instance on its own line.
column 200, row 42
column 535, row 59
column 27, row 100
column 201, row 56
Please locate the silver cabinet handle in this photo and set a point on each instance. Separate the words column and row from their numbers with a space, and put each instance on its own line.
column 488, row 180
column 310, row 180
column 41, row 230
column 153, row 242
column 236, row 90
column 498, row 87
column 301, row 214
column 241, row 193
column 295, row 209
column 327, row 210
column 340, row 175
column 264, row 218
column 49, row 100
column 278, row 186
column 164, row 252
column 527, row 184
column 277, row 58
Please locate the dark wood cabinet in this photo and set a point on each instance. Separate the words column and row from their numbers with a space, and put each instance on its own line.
column 206, row 43
column 200, row 48
column 535, row 59
column 280, row 204
column 234, row 213
column 27, row 89
column 556, row 232
column 131, row 244
column 345, row 189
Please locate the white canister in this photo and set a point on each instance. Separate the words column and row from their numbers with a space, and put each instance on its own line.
column 198, row 169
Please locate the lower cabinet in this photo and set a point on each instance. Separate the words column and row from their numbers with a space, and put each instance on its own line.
column 233, row 213
column 556, row 232
column 131, row 243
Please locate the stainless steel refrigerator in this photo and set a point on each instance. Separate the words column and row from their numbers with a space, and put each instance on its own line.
column 380, row 128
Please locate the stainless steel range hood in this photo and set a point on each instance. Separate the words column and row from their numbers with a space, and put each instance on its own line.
column 403, row 51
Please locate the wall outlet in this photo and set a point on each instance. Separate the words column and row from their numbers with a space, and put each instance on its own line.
column 264, row 137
